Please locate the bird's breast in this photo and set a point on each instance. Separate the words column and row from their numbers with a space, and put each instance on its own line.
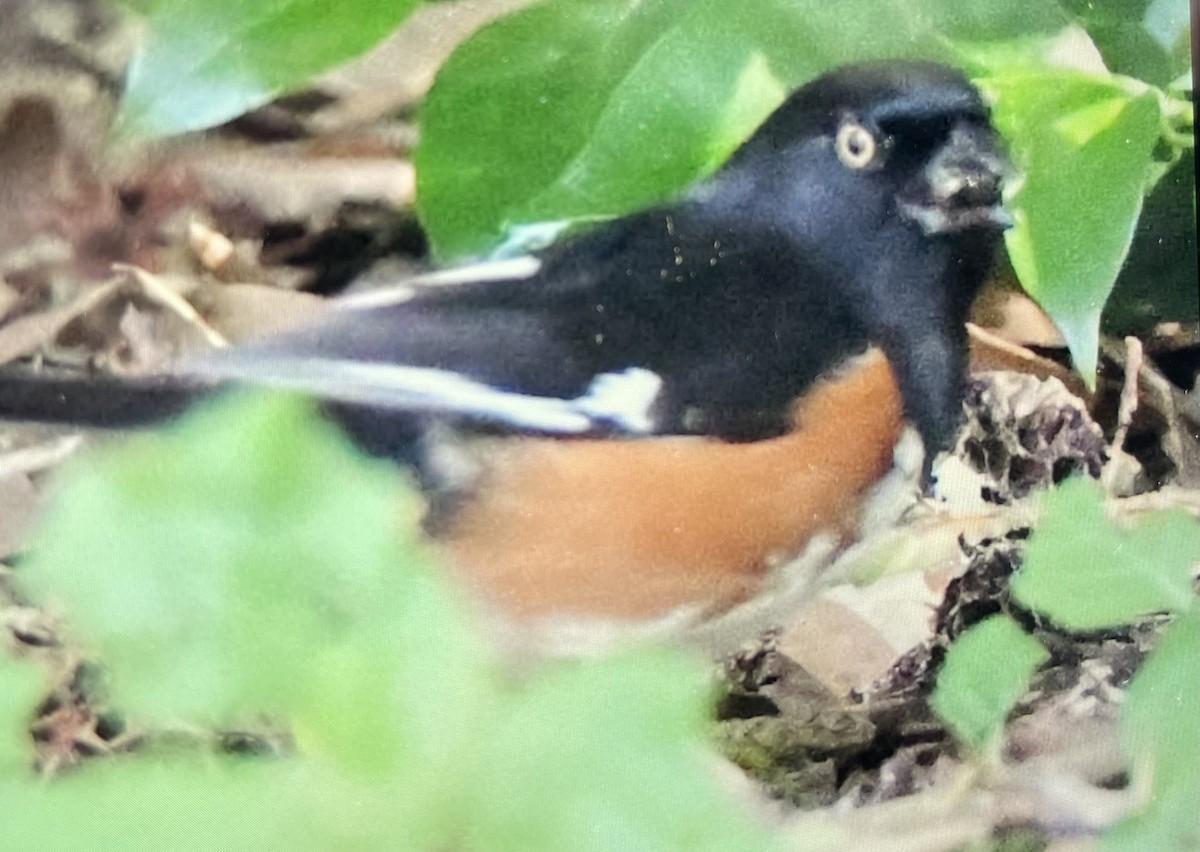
column 639, row 529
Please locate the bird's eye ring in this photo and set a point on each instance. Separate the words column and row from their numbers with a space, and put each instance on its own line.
column 856, row 146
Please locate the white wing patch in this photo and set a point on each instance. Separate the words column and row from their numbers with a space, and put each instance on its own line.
column 626, row 400
column 497, row 270
column 623, row 401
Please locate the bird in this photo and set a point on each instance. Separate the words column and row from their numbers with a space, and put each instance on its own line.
column 644, row 420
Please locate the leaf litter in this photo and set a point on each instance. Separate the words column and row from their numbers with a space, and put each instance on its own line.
column 126, row 259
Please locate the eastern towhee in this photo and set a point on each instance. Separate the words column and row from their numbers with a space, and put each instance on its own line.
column 699, row 388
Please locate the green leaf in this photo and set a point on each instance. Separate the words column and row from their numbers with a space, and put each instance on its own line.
column 1158, row 282
column 554, row 113
column 1085, row 572
column 986, row 670
column 194, row 803
column 22, row 686
column 582, row 108
column 251, row 562
column 592, row 755
column 1138, row 38
column 203, row 63
column 1162, row 739
column 1084, row 145
column 603, row 755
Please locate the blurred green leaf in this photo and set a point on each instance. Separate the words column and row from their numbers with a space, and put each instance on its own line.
column 602, row 755
column 593, row 755
column 203, row 63
column 1163, row 739
column 251, row 562
column 1084, row 572
column 198, row 804
column 1083, row 143
column 986, row 670
column 577, row 108
column 22, row 687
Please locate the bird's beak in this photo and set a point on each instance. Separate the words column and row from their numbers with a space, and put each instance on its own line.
column 960, row 188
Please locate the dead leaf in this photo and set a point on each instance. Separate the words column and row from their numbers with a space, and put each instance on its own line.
column 19, row 508
column 837, row 645
column 1013, row 316
column 28, row 334
column 243, row 312
column 990, row 352
column 281, row 184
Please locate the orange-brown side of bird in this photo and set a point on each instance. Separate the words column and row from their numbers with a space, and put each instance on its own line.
column 637, row 529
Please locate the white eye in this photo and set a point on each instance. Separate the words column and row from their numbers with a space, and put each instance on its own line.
column 856, row 146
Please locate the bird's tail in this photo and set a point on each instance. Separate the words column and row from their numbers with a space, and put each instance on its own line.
column 109, row 402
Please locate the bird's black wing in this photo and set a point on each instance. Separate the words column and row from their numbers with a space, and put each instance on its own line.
column 710, row 315
column 670, row 321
